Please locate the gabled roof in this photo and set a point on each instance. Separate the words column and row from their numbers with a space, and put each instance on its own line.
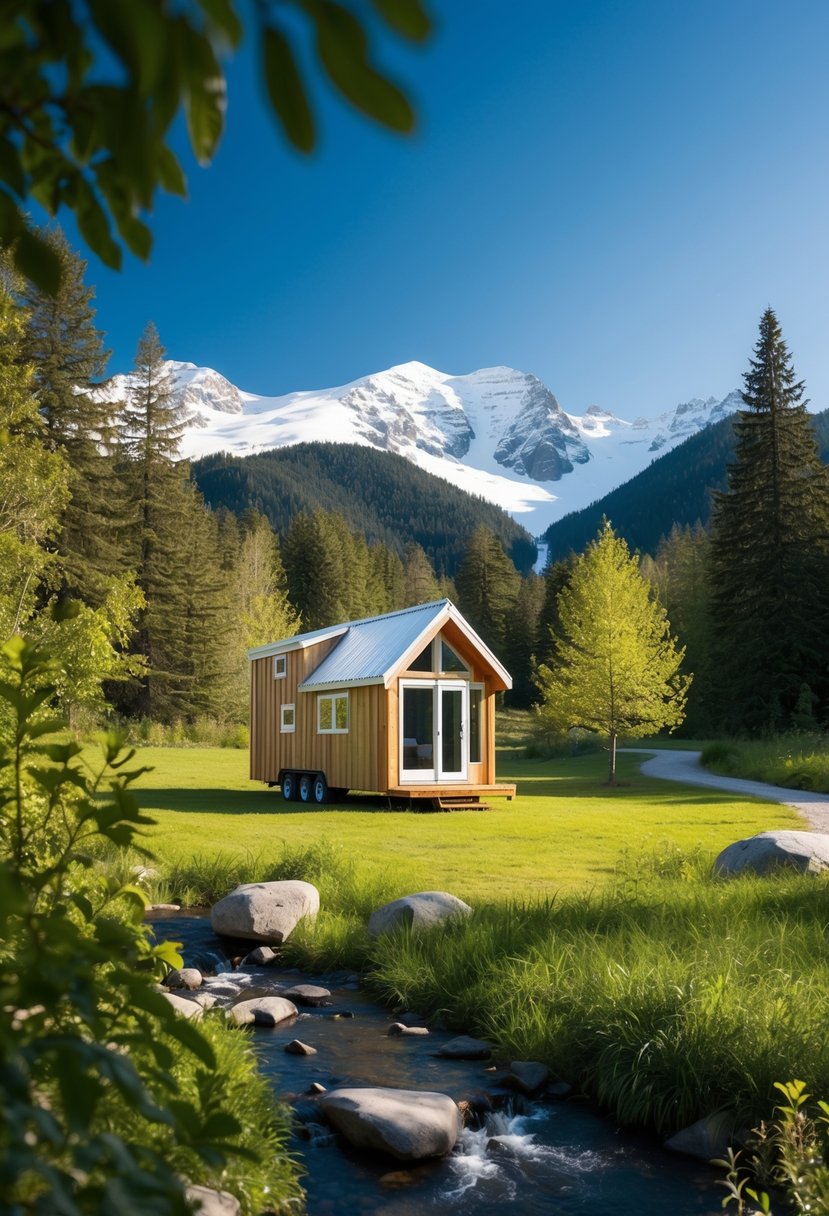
column 372, row 650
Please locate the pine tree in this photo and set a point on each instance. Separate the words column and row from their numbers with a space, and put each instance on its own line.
column 387, row 579
column 316, row 569
column 618, row 669
column 770, row 552
column 420, row 584
column 66, row 349
column 33, row 481
column 556, row 577
column 520, row 637
column 488, row 585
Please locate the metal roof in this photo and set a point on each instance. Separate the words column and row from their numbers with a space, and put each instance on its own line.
column 370, row 648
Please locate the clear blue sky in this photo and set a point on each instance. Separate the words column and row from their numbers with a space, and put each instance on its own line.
column 604, row 192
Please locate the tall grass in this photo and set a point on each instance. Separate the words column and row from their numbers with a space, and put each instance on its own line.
column 664, row 998
column 796, row 761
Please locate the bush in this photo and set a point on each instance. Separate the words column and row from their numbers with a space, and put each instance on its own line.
column 797, row 761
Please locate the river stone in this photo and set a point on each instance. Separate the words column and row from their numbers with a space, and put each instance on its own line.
column 262, row 1011
column 296, row 1047
column 262, row 956
column 265, row 911
column 184, row 977
column 528, row 1075
column 213, row 1203
column 205, row 999
column 424, row 910
column 410, row 1018
column 707, row 1139
column 187, row 1009
column 307, row 994
column 807, row 852
column 465, row 1048
column 407, row 1123
column 559, row 1089
column 398, row 1030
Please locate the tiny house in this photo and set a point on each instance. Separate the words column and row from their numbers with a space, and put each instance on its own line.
column 401, row 704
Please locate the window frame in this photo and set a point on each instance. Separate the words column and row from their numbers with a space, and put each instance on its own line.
column 333, row 697
column 285, row 729
column 480, row 689
column 280, row 666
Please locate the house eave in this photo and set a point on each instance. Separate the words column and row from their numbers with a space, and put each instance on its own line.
column 337, row 685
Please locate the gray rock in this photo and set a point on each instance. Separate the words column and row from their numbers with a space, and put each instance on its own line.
column 164, row 908
column 398, row 1031
column 424, row 910
column 262, row 956
column 213, row 1203
column 187, row 1009
column 205, row 999
column 706, row 1139
column 296, row 1047
column 529, row 1076
column 262, row 1011
column 465, row 1048
column 307, row 994
column 560, row 1089
column 316, row 1088
column 265, row 911
column 407, row 1123
column 807, row 852
column 184, row 977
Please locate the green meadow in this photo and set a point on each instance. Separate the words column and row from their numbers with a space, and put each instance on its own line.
column 565, row 830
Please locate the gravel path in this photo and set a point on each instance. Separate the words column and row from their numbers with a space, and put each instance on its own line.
column 674, row 765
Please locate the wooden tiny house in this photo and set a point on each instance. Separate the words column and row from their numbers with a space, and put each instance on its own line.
column 401, row 704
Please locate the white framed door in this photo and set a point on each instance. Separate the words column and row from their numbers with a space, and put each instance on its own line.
column 434, row 731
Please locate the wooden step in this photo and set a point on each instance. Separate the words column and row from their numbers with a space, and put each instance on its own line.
column 462, row 804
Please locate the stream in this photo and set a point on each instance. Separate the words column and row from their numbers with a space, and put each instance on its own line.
column 558, row 1158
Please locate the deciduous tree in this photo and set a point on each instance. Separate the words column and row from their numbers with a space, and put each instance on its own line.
column 618, row 667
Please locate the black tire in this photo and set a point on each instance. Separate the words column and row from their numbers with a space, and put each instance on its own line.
column 320, row 789
column 289, row 787
column 306, row 787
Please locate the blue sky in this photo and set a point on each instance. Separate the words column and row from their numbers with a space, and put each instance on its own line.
column 604, row 192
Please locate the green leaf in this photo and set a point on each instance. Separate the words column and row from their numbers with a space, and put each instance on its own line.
column 170, row 173
column 286, row 90
column 11, row 170
column 94, row 226
column 37, row 261
column 135, row 31
column 223, row 15
column 343, row 49
column 205, row 96
column 408, row 17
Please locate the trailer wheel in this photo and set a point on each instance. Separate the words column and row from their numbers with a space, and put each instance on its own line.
column 306, row 787
column 289, row 787
column 320, row 790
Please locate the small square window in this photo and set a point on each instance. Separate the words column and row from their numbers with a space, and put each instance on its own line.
column 287, row 719
column 280, row 666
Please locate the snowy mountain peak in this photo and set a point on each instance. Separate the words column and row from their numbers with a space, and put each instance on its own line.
column 496, row 432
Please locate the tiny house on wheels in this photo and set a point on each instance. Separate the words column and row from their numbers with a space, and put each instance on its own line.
column 401, row 704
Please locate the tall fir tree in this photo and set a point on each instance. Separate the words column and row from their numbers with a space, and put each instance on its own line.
column 420, row 585
column 67, row 352
column 770, row 553
column 316, row 569
column 488, row 586
column 520, row 637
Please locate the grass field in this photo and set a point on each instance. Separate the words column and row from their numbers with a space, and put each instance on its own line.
column 565, row 829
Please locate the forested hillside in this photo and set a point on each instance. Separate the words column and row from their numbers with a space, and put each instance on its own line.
column 379, row 494
column 676, row 489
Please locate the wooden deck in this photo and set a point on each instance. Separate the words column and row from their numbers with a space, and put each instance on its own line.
column 452, row 793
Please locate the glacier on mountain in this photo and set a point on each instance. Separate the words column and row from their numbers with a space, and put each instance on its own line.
column 497, row 432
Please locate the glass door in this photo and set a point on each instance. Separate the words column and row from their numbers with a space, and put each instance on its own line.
column 451, row 742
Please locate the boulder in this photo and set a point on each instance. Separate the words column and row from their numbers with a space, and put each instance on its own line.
column 465, row 1048
column 205, row 999
column 707, row 1139
column 265, row 912
column 559, row 1089
column 213, row 1203
column 184, row 977
column 187, row 1009
column 408, row 1124
column 307, row 994
column 262, row 956
column 424, row 910
column 528, row 1076
column 807, row 852
column 262, row 1011
column 398, row 1030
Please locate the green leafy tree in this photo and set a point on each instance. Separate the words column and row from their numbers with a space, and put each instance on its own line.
column 90, row 93
column 488, row 586
column 109, row 1102
column 618, row 667
column 770, row 552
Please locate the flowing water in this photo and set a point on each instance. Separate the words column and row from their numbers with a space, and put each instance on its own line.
column 555, row 1159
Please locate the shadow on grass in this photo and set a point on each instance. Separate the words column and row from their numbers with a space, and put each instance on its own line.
column 253, row 802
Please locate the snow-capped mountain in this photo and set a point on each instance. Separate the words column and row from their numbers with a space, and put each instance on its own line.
column 497, row 432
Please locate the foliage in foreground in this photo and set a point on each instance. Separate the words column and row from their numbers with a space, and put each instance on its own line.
column 108, row 1100
column 795, row 761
